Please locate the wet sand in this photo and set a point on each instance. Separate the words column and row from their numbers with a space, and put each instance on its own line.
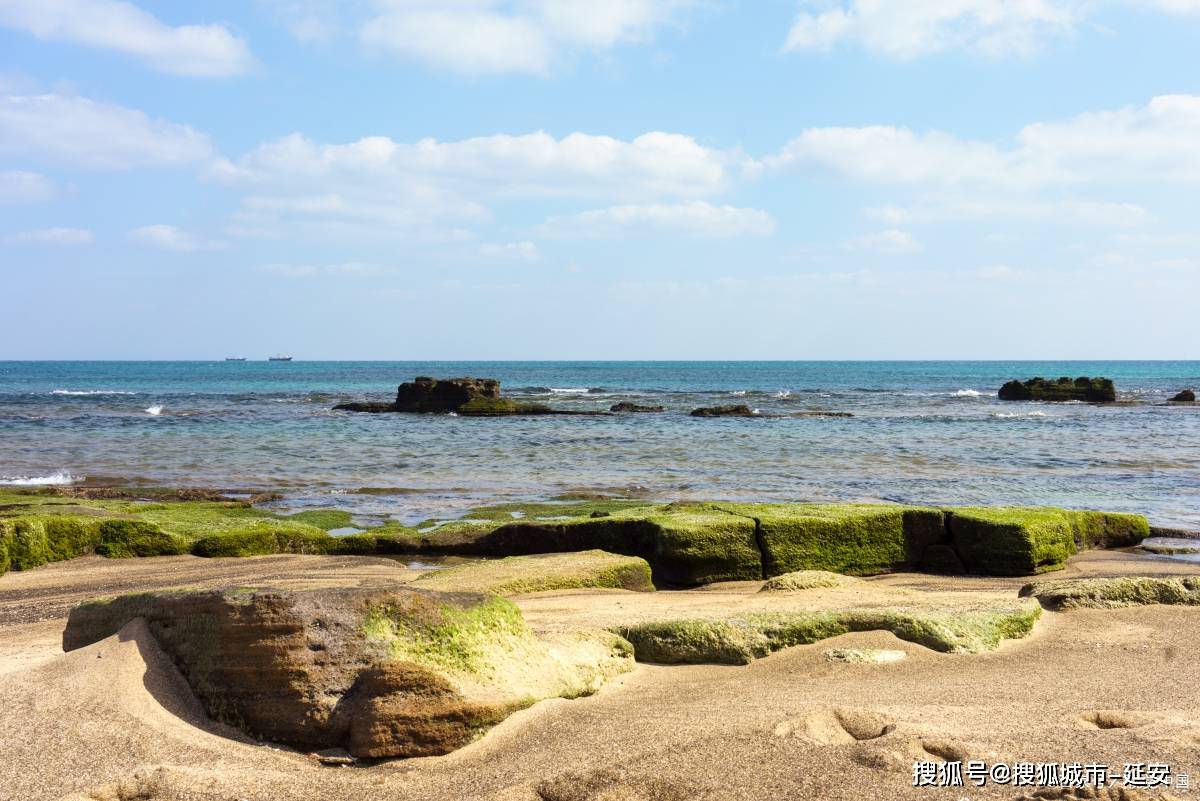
column 116, row 721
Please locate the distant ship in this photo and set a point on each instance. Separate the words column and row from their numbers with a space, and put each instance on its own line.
column 279, row 359
column 235, row 358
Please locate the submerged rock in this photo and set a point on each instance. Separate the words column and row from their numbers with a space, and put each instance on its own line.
column 379, row 672
column 738, row 410
column 1091, row 390
column 625, row 406
column 1185, row 396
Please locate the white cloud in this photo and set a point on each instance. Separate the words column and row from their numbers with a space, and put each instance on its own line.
column 88, row 133
column 1022, row 208
column 20, row 186
column 1150, row 143
column 352, row 268
column 695, row 218
column 168, row 237
column 506, row 36
column 310, row 21
column 910, row 28
column 510, row 251
column 891, row 242
column 389, row 188
column 906, row 29
column 207, row 50
column 68, row 237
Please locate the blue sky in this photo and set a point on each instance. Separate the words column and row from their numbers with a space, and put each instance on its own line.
column 482, row 179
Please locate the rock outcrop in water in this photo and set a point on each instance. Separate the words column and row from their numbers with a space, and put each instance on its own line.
column 1185, row 396
column 470, row 397
column 738, row 410
column 1090, row 390
column 379, row 672
column 626, row 406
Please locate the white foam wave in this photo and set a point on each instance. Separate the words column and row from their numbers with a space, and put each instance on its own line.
column 1011, row 415
column 154, row 411
column 967, row 393
column 54, row 479
column 568, row 390
column 783, row 393
column 738, row 392
column 91, row 392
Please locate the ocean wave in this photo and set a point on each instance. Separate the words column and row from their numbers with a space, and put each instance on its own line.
column 83, row 392
column 967, row 393
column 569, row 390
column 783, row 393
column 1012, row 415
column 738, row 392
column 154, row 411
column 54, row 479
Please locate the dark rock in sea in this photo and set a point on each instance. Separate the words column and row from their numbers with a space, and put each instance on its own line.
column 1186, row 396
column 470, row 397
column 379, row 672
column 739, row 410
column 424, row 394
column 625, row 406
column 815, row 413
column 1091, row 390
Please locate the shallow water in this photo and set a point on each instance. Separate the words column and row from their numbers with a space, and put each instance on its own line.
column 929, row 432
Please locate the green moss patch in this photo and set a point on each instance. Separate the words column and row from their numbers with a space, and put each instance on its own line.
column 744, row 639
column 523, row 574
column 1113, row 593
column 1025, row 541
column 857, row 539
column 260, row 539
column 806, row 580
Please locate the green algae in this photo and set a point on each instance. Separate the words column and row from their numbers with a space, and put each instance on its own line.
column 456, row 639
column 1115, row 592
column 741, row 640
column 515, row 575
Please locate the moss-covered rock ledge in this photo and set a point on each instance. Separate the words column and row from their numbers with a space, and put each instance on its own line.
column 685, row 544
column 382, row 673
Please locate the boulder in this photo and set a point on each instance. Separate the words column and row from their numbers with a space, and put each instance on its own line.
column 738, row 410
column 625, row 406
column 379, row 672
column 1185, row 396
column 1091, row 390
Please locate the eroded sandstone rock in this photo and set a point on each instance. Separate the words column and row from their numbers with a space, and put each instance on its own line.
column 380, row 672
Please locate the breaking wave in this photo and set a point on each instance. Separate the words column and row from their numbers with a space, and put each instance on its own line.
column 54, row 479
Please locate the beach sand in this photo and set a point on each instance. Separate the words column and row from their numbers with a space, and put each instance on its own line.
column 116, row 721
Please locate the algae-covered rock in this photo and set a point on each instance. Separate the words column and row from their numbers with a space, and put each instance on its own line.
column 515, row 575
column 732, row 410
column 1024, row 541
column 1091, row 390
column 859, row 539
column 470, row 397
column 740, row 640
column 379, row 672
column 685, row 544
column 1184, row 396
column 806, row 580
column 1116, row 592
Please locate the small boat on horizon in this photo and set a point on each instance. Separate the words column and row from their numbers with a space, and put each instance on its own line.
column 279, row 358
column 235, row 358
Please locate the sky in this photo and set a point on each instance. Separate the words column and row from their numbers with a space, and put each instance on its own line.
column 566, row 179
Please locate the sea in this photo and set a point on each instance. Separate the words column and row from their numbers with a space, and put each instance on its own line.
column 921, row 432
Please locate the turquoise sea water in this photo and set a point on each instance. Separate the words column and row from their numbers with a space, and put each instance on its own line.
column 929, row 432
